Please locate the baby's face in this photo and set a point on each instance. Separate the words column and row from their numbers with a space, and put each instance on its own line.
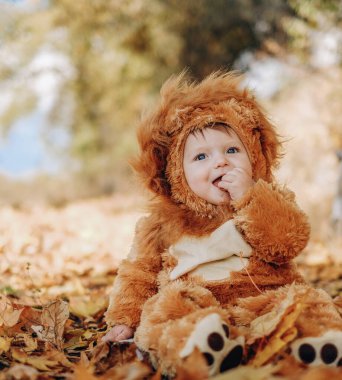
column 210, row 155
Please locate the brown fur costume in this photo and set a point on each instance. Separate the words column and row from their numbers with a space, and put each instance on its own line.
column 166, row 311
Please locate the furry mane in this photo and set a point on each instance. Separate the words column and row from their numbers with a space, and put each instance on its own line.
column 181, row 103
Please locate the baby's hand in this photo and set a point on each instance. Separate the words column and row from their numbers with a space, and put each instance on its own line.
column 236, row 182
column 117, row 333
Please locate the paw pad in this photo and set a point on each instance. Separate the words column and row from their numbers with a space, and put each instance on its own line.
column 322, row 350
column 233, row 359
column 215, row 341
column 211, row 337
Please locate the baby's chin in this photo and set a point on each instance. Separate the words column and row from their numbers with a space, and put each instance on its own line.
column 223, row 200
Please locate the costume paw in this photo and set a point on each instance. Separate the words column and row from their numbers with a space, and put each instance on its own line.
column 322, row 350
column 211, row 337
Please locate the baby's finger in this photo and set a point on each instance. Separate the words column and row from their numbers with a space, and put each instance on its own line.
column 229, row 177
column 223, row 185
column 242, row 172
column 121, row 336
column 109, row 337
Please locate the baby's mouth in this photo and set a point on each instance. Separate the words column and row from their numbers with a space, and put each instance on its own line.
column 217, row 180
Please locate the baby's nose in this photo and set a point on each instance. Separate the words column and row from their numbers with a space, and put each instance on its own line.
column 221, row 161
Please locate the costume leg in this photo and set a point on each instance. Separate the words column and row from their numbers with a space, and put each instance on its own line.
column 183, row 318
column 318, row 326
column 319, row 331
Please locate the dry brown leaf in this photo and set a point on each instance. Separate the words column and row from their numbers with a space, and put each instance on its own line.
column 59, row 357
column 106, row 356
column 100, row 352
column 41, row 363
column 22, row 371
column 83, row 370
column 45, row 362
column 53, row 319
column 9, row 316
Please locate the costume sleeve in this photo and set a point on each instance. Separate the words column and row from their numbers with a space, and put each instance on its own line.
column 137, row 276
column 272, row 223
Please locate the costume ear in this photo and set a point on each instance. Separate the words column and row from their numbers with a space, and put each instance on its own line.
column 150, row 166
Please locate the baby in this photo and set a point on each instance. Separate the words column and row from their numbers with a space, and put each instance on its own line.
column 216, row 250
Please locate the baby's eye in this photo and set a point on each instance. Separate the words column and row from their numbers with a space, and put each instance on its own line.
column 232, row 149
column 200, row 157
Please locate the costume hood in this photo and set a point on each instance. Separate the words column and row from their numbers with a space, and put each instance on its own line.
column 188, row 106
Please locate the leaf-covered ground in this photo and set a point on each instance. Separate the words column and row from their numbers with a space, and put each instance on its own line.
column 57, row 267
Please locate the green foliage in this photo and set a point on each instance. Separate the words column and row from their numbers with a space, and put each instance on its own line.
column 214, row 33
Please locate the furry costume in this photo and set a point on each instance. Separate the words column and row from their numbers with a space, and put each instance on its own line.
column 198, row 274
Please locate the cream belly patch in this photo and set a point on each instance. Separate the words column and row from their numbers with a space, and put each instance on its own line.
column 213, row 257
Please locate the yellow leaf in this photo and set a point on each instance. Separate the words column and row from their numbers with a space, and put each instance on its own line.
column 39, row 362
column 60, row 358
column 88, row 334
column 77, row 344
column 30, row 343
column 267, row 323
column 46, row 362
column 284, row 334
column 5, row 344
column 87, row 307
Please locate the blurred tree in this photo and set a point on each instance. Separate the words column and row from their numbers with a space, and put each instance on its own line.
column 112, row 47
column 214, row 33
column 119, row 53
column 307, row 16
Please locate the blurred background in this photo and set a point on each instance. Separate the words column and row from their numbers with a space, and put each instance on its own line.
column 76, row 75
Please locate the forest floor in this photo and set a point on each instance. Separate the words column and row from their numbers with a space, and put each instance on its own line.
column 57, row 267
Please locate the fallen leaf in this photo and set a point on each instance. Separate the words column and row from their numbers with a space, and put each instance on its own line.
column 59, row 357
column 45, row 362
column 87, row 306
column 30, row 343
column 83, row 370
column 285, row 333
column 9, row 316
column 22, row 371
column 39, row 362
column 53, row 319
column 265, row 324
column 5, row 344
column 106, row 355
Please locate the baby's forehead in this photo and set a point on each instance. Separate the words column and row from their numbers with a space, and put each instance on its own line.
column 200, row 134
